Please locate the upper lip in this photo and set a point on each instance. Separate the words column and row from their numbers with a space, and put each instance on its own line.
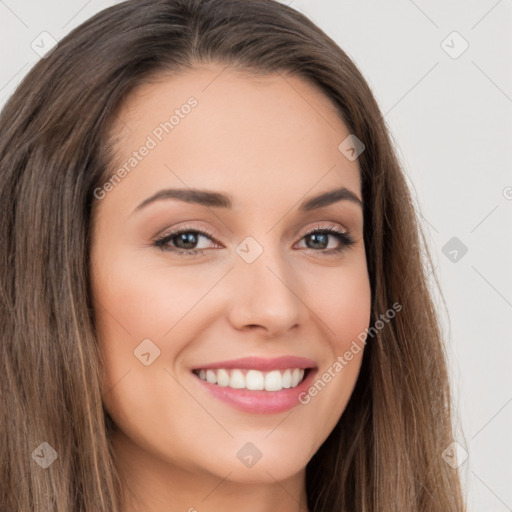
column 260, row 363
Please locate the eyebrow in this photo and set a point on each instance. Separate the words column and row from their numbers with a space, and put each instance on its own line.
column 219, row 200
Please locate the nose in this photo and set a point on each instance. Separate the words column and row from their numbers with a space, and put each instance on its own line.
column 265, row 296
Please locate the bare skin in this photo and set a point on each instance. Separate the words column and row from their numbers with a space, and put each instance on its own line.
column 270, row 143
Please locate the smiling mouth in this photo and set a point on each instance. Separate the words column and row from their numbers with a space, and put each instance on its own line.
column 253, row 380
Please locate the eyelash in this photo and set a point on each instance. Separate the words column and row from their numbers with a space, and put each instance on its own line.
column 343, row 236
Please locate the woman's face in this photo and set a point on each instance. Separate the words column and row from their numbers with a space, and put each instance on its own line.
column 270, row 293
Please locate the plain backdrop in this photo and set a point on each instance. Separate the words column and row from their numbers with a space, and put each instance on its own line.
column 442, row 74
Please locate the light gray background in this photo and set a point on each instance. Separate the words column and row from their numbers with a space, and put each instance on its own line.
column 451, row 121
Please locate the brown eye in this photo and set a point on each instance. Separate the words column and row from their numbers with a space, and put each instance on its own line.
column 183, row 241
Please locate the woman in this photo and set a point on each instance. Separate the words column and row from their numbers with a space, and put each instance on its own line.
column 213, row 295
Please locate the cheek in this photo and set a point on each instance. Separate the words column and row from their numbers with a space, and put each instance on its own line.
column 340, row 299
column 132, row 306
column 135, row 302
column 140, row 301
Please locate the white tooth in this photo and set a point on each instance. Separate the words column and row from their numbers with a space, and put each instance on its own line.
column 254, row 380
column 287, row 379
column 273, row 381
column 295, row 377
column 211, row 377
column 237, row 380
column 222, row 378
column 301, row 374
column 202, row 374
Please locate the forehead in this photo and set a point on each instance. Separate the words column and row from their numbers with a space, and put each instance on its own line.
column 273, row 134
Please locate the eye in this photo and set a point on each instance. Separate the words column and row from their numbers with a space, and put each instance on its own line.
column 185, row 240
column 319, row 239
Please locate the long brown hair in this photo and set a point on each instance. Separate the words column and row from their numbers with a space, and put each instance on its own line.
column 385, row 452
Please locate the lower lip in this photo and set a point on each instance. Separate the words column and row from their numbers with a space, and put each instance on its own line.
column 260, row 402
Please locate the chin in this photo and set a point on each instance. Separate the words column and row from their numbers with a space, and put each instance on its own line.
column 274, row 464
